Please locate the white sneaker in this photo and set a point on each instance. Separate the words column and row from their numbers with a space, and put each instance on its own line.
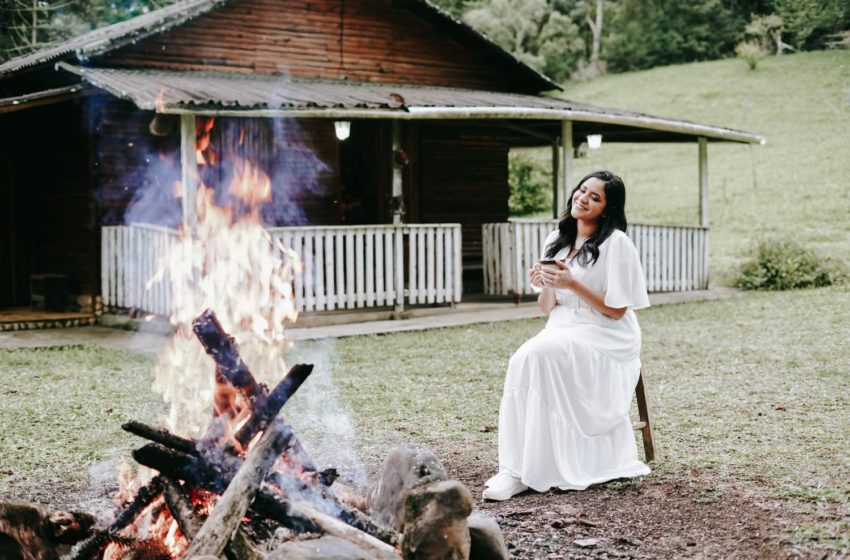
column 503, row 486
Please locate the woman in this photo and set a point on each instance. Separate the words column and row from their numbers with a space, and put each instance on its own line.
column 564, row 419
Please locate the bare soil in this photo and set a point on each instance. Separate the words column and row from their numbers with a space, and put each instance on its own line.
column 661, row 516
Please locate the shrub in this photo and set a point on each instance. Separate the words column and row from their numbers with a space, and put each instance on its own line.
column 780, row 264
column 531, row 185
column 750, row 53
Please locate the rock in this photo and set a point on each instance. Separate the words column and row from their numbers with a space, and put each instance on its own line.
column 34, row 532
column 407, row 466
column 436, row 526
column 486, row 540
column 586, row 543
column 325, row 548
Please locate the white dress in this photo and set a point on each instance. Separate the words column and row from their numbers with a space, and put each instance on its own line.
column 564, row 418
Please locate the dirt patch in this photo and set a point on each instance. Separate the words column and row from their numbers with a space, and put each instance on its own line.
column 662, row 516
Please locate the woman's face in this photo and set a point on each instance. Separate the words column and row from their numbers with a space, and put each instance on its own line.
column 589, row 201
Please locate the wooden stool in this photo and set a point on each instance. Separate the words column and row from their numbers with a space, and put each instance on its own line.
column 645, row 426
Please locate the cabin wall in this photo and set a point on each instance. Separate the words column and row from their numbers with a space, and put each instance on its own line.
column 138, row 173
column 47, row 215
column 459, row 175
column 365, row 40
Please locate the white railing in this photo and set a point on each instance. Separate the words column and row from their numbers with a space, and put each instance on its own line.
column 129, row 258
column 674, row 258
column 345, row 267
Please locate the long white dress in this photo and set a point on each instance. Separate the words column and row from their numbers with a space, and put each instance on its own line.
column 564, row 417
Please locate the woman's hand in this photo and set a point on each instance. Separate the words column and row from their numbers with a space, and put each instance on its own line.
column 559, row 277
column 535, row 277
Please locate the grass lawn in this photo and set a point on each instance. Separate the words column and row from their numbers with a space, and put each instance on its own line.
column 748, row 390
column 798, row 184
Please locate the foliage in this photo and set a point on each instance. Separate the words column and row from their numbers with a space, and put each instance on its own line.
column 534, row 31
column 750, row 53
column 767, row 31
column 807, row 21
column 26, row 26
column 530, row 183
column 783, row 264
column 644, row 34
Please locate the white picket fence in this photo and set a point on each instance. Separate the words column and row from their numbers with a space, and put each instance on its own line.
column 345, row 267
column 674, row 258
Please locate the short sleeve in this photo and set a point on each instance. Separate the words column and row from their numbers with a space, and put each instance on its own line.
column 625, row 284
column 549, row 240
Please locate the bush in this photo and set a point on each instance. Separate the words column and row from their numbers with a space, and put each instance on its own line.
column 531, row 185
column 780, row 264
column 750, row 53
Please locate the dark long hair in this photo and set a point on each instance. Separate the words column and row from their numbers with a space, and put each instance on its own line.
column 613, row 217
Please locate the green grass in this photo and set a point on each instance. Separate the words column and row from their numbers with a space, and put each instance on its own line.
column 754, row 388
column 798, row 184
column 61, row 410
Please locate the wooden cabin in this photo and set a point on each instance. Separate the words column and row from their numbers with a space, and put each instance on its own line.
column 411, row 208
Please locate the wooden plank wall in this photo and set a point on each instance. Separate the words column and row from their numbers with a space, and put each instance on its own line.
column 363, row 40
column 461, row 177
column 137, row 172
column 47, row 180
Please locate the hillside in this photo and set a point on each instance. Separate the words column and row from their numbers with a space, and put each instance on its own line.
column 798, row 184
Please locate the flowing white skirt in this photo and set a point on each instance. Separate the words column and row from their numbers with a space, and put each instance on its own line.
column 564, row 418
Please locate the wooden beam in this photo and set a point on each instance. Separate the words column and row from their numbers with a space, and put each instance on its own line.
column 398, row 191
column 566, row 166
column 189, row 166
column 703, row 181
column 556, row 176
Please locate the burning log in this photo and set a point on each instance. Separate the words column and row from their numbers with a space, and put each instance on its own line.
column 261, row 417
column 180, row 506
column 272, row 505
column 95, row 544
column 161, row 435
column 222, row 348
column 327, row 524
column 226, row 516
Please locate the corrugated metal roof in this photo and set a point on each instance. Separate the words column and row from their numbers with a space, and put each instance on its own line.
column 116, row 35
column 251, row 94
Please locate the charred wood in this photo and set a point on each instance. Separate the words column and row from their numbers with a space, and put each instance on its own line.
column 267, row 502
column 261, row 417
column 226, row 516
column 222, row 348
column 95, row 544
column 161, row 435
column 196, row 473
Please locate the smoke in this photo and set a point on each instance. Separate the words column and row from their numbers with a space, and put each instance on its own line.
column 319, row 416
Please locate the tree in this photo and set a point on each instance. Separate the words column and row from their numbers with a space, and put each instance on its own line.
column 594, row 68
column 647, row 33
column 29, row 25
column 768, row 31
column 810, row 19
column 534, row 31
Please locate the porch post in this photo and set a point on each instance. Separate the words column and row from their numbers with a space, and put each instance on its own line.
column 398, row 219
column 189, row 167
column 556, row 176
column 566, row 167
column 398, row 191
column 703, row 181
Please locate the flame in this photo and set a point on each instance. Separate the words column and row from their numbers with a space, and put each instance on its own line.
column 228, row 263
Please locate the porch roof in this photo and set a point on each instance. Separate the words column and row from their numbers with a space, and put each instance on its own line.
column 230, row 94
